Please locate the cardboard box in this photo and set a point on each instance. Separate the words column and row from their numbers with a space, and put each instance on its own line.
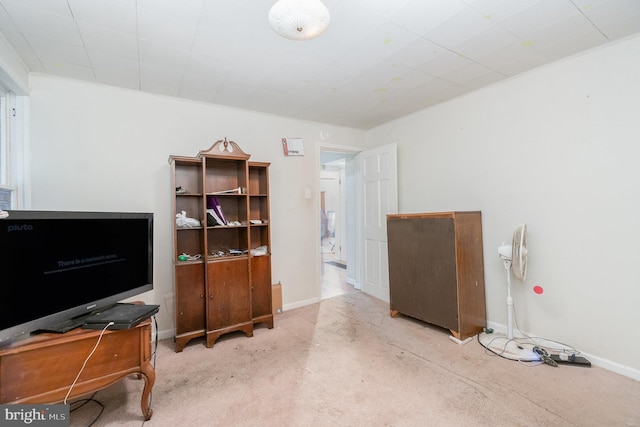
column 276, row 298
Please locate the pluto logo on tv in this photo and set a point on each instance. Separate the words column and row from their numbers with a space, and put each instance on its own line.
column 19, row 227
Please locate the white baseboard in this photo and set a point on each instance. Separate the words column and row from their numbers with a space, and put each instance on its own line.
column 613, row 366
column 302, row 303
column 595, row 360
column 166, row 334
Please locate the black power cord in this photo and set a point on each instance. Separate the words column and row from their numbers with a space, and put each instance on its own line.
column 81, row 402
column 500, row 354
column 542, row 352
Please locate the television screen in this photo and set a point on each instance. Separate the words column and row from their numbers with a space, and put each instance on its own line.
column 61, row 265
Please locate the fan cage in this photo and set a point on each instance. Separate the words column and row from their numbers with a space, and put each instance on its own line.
column 519, row 261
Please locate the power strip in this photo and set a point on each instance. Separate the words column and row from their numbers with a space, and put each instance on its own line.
column 570, row 360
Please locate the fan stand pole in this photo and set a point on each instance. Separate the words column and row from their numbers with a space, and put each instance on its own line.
column 507, row 271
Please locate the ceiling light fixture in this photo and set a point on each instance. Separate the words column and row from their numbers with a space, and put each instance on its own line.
column 299, row 19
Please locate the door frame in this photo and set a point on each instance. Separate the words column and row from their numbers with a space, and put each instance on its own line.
column 358, row 272
column 355, row 281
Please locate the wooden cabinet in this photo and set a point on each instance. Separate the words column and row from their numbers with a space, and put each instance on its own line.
column 261, row 309
column 436, row 269
column 40, row 369
column 229, row 298
column 189, row 299
column 224, row 284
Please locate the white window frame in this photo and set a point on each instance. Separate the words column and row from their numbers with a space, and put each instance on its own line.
column 4, row 149
column 13, row 165
column 5, row 153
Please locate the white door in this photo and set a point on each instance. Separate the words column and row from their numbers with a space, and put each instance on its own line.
column 378, row 196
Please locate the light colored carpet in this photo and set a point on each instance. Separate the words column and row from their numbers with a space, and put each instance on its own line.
column 346, row 362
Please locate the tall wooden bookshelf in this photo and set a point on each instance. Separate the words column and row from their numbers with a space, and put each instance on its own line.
column 222, row 273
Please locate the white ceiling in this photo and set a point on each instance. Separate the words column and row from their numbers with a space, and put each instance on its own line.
column 379, row 59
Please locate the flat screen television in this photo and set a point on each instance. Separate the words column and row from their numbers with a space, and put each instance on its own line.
column 61, row 265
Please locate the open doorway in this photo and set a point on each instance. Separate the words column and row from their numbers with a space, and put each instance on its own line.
column 370, row 193
column 337, row 219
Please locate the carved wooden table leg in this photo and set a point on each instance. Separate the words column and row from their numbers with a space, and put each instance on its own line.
column 149, row 375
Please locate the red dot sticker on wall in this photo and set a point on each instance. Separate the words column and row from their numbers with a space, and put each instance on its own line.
column 538, row 289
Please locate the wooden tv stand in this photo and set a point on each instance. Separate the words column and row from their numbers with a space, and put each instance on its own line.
column 41, row 368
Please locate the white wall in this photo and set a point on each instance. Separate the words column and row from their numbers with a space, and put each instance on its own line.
column 100, row 148
column 557, row 149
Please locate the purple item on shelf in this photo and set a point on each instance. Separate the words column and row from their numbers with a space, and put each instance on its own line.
column 213, row 206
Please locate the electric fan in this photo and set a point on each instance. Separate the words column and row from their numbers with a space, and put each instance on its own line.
column 514, row 257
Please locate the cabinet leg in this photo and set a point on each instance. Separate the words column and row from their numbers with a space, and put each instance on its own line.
column 179, row 345
column 212, row 336
column 248, row 329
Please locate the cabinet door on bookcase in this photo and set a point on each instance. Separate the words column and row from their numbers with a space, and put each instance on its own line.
column 261, row 309
column 189, row 302
column 228, row 298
